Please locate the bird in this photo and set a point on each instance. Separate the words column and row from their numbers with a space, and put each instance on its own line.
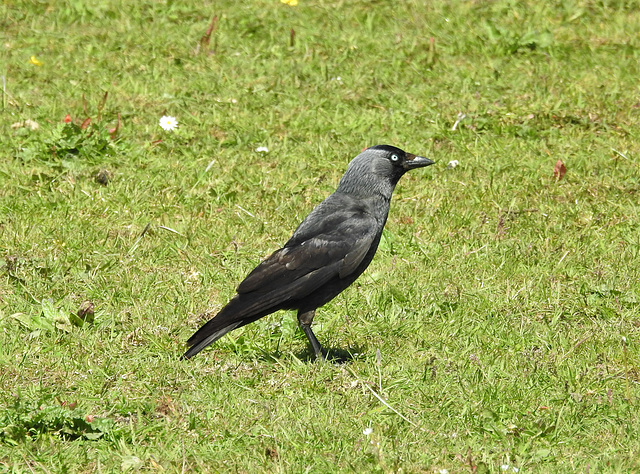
column 326, row 253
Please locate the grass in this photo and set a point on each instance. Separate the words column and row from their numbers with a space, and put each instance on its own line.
column 497, row 326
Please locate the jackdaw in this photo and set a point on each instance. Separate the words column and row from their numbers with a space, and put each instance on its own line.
column 325, row 254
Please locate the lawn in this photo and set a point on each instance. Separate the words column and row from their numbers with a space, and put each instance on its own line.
column 497, row 329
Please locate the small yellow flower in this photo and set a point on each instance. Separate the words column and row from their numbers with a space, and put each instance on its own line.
column 291, row 3
column 33, row 60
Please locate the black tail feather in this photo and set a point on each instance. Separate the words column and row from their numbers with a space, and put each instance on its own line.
column 236, row 314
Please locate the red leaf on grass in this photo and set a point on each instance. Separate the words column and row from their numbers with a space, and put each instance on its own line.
column 101, row 103
column 206, row 38
column 67, row 118
column 86, row 123
column 559, row 170
column 114, row 131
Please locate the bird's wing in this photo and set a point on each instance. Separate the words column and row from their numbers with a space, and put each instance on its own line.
column 288, row 274
column 305, row 264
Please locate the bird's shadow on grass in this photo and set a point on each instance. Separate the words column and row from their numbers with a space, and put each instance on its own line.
column 333, row 355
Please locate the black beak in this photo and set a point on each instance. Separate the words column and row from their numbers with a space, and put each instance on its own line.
column 414, row 161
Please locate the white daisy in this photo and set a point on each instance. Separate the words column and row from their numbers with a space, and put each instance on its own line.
column 262, row 149
column 168, row 123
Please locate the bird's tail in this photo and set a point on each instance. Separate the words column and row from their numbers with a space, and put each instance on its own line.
column 204, row 336
column 237, row 313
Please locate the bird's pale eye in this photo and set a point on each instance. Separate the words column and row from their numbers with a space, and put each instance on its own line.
column 395, row 158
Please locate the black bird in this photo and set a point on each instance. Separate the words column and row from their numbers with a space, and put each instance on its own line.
column 325, row 254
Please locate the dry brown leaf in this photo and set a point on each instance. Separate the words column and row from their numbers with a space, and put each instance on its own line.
column 559, row 170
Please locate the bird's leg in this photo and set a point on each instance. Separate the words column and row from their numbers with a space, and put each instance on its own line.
column 305, row 319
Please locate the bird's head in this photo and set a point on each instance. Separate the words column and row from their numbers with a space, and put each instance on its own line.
column 378, row 169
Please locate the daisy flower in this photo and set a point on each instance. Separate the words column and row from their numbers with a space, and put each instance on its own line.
column 168, row 123
column 262, row 149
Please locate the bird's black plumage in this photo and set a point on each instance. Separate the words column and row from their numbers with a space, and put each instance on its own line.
column 332, row 246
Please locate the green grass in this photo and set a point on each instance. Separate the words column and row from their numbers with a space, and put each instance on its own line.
column 490, row 328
